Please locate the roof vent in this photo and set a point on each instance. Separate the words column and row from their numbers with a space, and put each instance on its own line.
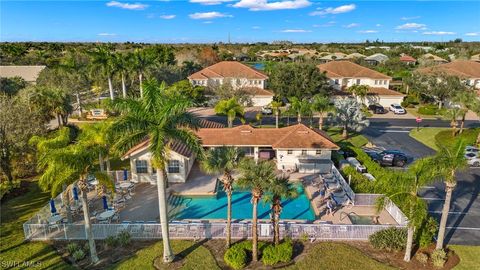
column 302, row 132
column 246, row 131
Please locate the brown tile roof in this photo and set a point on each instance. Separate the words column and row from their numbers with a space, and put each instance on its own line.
column 380, row 91
column 407, row 58
column 256, row 91
column 336, row 69
column 460, row 68
column 228, row 69
column 296, row 136
column 176, row 146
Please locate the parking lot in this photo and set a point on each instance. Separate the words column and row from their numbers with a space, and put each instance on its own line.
column 463, row 225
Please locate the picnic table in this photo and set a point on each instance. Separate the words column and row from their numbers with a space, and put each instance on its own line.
column 106, row 215
column 55, row 219
column 125, row 184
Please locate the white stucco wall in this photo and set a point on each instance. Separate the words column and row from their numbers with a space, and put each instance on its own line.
column 287, row 161
column 384, row 83
column 261, row 100
column 235, row 82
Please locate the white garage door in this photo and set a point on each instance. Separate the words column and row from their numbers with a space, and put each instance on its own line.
column 261, row 100
column 385, row 101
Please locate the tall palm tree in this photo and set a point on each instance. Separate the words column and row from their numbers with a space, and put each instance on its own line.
column 162, row 119
column 103, row 61
column 141, row 61
column 468, row 102
column 276, row 105
column 231, row 108
column 321, row 104
column 449, row 160
column 55, row 102
column 255, row 177
column 453, row 114
column 360, row 91
column 68, row 165
column 349, row 115
column 100, row 135
column 223, row 159
column 300, row 106
column 404, row 192
column 122, row 62
column 277, row 189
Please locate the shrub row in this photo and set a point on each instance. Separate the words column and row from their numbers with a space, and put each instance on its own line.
column 389, row 239
column 121, row 239
column 428, row 110
column 237, row 258
column 358, row 182
column 276, row 254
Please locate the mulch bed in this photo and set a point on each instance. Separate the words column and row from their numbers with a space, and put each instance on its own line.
column 395, row 259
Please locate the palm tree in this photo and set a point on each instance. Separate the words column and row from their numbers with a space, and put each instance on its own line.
column 141, row 61
column 468, row 102
column 321, row 104
column 278, row 188
column 53, row 101
column 276, row 105
column 255, row 176
column 231, row 108
column 300, row 106
column 404, row 191
column 453, row 114
column 360, row 91
column 348, row 113
column 100, row 135
column 68, row 165
column 103, row 61
column 162, row 119
column 449, row 160
column 122, row 63
column 259, row 118
column 223, row 159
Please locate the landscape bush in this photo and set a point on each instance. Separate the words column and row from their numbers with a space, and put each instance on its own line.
column 410, row 101
column 389, row 239
column 78, row 255
column 428, row 110
column 236, row 256
column 124, row 238
column 276, row 254
column 72, row 247
column 111, row 241
column 426, row 231
column 358, row 182
column 439, row 257
column 422, row 257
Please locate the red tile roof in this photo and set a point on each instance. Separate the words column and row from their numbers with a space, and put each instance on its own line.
column 339, row 69
column 228, row 69
column 460, row 68
column 380, row 91
column 407, row 58
column 255, row 91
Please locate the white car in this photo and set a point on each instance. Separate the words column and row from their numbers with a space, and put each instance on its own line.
column 356, row 164
column 470, row 155
column 397, row 109
column 267, row 110
column 474, row 162
column 471, row 149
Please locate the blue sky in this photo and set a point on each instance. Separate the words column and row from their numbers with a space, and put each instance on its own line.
column 194, row 21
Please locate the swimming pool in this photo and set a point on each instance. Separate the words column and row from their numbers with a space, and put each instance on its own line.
column 361, row 220
column 215, row 207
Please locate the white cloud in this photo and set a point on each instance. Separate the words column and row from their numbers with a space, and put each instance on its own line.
column 378, row 25
column 255, row 27
column 256, row 5
column 207, row 22
column 328, row 24
column 208, row 15
column 135, row 6
column 337, row 10
column 295, row 31
column 167, row 17
column 439, row 33
column 210, row 2
column 474, row 34
column 106, row 34
column 368, row 31
column 352, row 25
column 408, row 26
column 409, row 18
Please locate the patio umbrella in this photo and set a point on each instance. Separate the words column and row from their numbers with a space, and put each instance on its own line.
column 125, row 175
column 52, row 207
column 75, row 193
column 105, row 204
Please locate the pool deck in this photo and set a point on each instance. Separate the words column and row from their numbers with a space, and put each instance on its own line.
column 198, row 184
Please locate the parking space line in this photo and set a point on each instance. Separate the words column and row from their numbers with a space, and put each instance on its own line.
column 464, row 228
column 434, row 199
column 450, row 213
column 393, row 131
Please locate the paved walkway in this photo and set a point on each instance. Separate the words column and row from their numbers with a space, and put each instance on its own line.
column 198, row 184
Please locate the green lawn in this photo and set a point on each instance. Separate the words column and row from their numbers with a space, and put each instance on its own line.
column 469, row 257
column 12, row 247
column 355, row 139
column 431, row 136
column 338, row 256
column 195, row 257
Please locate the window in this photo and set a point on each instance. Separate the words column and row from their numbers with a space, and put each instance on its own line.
column 385, row 82
column 141, row 166
column 336, row 81
column 376, row 82
column 304, row 152
column 318, row 152
column 173, row 166
column 289, row 152
column 358, row 81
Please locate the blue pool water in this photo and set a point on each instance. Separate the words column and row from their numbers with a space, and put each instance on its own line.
column 215, row 207
column 259, row 65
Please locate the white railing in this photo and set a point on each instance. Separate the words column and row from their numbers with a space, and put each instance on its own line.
column 346, row 187
column 396, row 213
column 366, row 199
column 201, row 231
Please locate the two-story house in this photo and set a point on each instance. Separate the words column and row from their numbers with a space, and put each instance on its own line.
column 240, row 76
column 344, row 74
column 468, row 71
column 293, row 148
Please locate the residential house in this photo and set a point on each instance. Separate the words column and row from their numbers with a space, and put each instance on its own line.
column 407, row 59
column 332, row 57
column 377, row 58
column 240, row 76
column 355, row 56
column 343, row 74
column 28, row 73
column 431, row 59
column 468, row 71
column 293, row 148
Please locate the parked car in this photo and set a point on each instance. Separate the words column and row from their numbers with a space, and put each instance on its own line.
column 389, row 158
column 470, row 155
column 357, row 165
column 369, row 176
column 397, row 109
column 474, row 162
column 267, row 110
column 377, row 109
column 471, row 149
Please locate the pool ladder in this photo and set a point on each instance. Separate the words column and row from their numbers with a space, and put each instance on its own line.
column 343, row 215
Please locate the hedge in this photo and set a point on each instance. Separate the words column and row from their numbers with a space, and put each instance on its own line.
column 389, row 239
column 276, row 254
